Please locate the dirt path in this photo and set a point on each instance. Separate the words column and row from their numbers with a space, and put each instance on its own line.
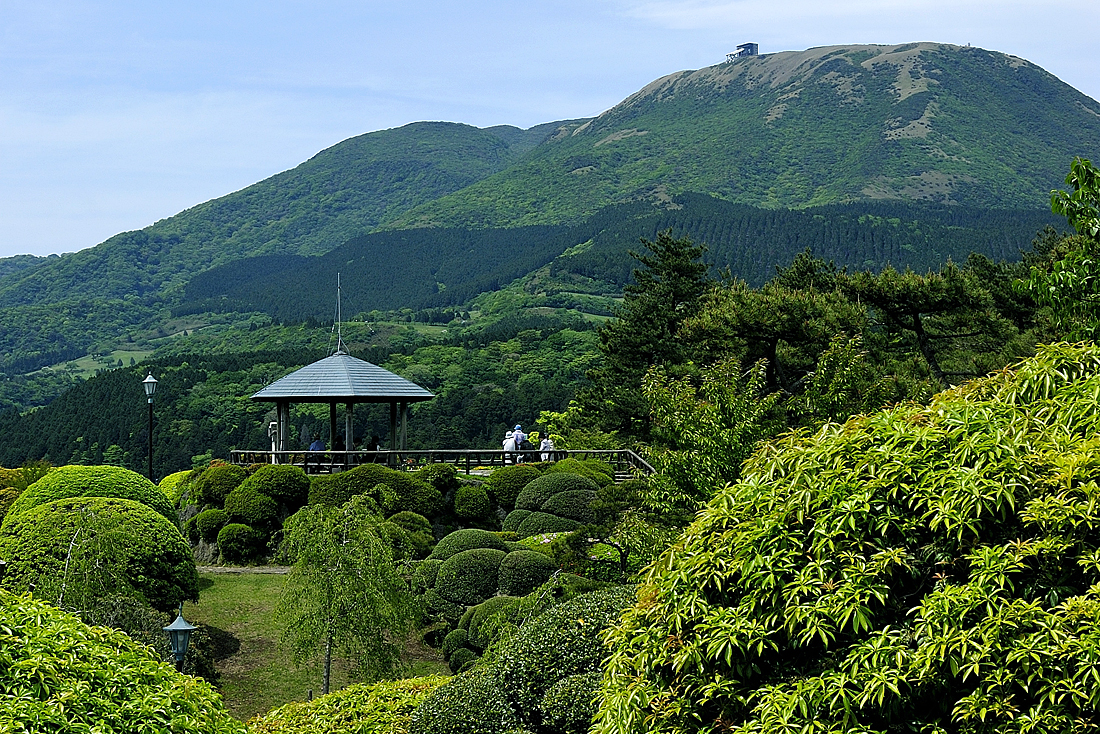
column 278, row 570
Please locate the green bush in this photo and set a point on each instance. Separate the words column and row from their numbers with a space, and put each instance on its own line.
column 455, row 639
column 412, row 492
column 569, row 704
column 440, row 609
column 239, row 543
column 8, row 495
column 470, row 703
column 469, row 577
column 61, row 675
column 514, row 519
column 468, row 539
column 538, row 492
column 174, row 485
column 521, row 572
column 538, row 523
column 361, row 708
column 424, row 576
column 472, row 502
column 574, row 504
column 397, row 538
column 594, row 469
column 216, row 482
column 9, row 477
column 287, row 485
column 208, row 523
column 246, row 506
column 444, row 477
column 479, row 633
column 412, row 522
column 93, row 481
column 462, row 659
column 79, row 549
column 506, row 483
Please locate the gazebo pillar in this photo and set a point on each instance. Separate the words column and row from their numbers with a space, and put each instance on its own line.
column 349, row 426
column 332, row 425
column 404, row 426
column 282, row 411
column 394, row 445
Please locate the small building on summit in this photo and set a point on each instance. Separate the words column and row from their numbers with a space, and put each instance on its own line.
column 745, row 49
column 342, row 378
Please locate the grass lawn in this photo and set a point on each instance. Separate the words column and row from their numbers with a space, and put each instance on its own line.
column 261, row 675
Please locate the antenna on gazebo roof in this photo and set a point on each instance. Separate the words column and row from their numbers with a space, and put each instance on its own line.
column 338, row 326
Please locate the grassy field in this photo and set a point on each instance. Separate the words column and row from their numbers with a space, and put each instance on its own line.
column 261, row 675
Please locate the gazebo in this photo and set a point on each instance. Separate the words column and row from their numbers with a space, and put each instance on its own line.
column 342, row 378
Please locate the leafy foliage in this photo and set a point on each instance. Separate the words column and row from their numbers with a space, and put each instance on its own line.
column 239, row 543
column 467, row 539
column 247, row 506
column 506, row 482
column 523, row 571
column 209, row 523
column 287, row 485
column 472, row 502
column 62, row 675
column 213, row 486
column 410, row 492
column 469, row 577
column 920, row 567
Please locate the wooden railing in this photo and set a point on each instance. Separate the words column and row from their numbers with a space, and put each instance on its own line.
column 624, row 461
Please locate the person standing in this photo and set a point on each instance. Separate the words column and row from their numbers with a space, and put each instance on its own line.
column 509, row 447
column 547, row 448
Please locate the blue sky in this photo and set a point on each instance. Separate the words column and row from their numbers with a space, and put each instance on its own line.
column 116, row 114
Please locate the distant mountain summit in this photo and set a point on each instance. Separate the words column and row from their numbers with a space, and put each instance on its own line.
column 916, row 122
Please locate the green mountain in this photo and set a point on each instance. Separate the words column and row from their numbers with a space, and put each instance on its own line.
column 918, row 122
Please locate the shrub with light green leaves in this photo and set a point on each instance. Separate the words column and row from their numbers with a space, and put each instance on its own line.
column 239, row 543
column 93, row 481
column 924, row 568
column 216, row 482
column 247, row 506
column 506, row 483
column 76, row 550
column 472, row 502
column 468, row 539
column 410, row 492
column 470, row 703
column 424, row 576
column 174, row 485
column 361, row 708
column 418, row 529
column 61, row 675
column 594, row 469
column 209, row 523
column 287, row 485
column 523, row 571
column 538, row 492
column 469, row 577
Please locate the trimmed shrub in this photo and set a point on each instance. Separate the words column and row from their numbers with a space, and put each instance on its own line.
column 469, row 577
column 110, row 546
column 513, row 521
column 462, row 659
column 10, row 477
column 444, row 477
column 570, row 704
column 538, row 523
column 472, row 502
column 62, row 675
column 239, row 543
column 93, row 481
column 397, row 539
column 594, row 469
column 8, row 495
column 440, row 609
column 412, row 522
column 174, row 485
column 573, row 504
column 246, row 506
column 216, row 482
column 423, row 577
column 478, row 632
column 412, row 493
column 361, row 708
column 539, row 491
column 521, row 572
column 506, row 483
column 464, row 540
column 287, row 485
column 455, row 639
column 470, row 703
column 208, row 523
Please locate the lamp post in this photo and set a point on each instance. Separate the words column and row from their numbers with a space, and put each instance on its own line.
column 150, row 385
column 179, row 635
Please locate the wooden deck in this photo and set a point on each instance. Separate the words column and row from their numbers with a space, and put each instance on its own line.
column 625, row 462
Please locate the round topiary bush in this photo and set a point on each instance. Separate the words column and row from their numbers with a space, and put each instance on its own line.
column 287, row 485
column 83, row 549
column 470, row 703
column 539, row 491
column 469, row 577
column 480, row 633
column 468, row 539
column 93, row 481
column 538, row 523
column 246, row 506
column 462, row 659
column 472, row 502
column 216, row 482
column 424, row 576
column 174, row 485
column 239, row 543
column 444, row 477
column 523, row 571
column 412, row 493
column 209, row 523
column 506, row 483
column 513, row 521
column 455, row 639
column 573, row 504
column 569, row 705
column 397, row 538
column 440, row 609
column 61, row 675
column 412, row 522
column 8, row 495
column 594, row 469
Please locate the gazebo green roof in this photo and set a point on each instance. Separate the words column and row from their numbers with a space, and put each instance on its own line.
column 343, row 378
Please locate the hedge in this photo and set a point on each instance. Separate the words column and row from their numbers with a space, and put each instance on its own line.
column 513, row 521
column 470, row 703
column 472, row 502
column 411, row 492
column 110, row 546
column 246, row 506
column 208, row 523
column 412, row 522
column 569, row 704
column 574, row 504
column 444, row 477
column 239, row 543
column 61, row 675
column 397, row 538
column 440, row 609
column 287, row 485
column 93, row 481
column 504, row 606
column 469, row 577
column 538, row 492
column 464, row 540
column 9, row 477
column 455, row 639
column 594, row 469
column 521, row 572
column 216, row 482
column 8, row 495
column 506, row 483
column 538, row 523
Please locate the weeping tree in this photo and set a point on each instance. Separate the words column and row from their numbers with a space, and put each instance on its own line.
column 344, row 593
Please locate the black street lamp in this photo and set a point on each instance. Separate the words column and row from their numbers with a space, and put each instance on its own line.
column 150, row 385
column 179, row 635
